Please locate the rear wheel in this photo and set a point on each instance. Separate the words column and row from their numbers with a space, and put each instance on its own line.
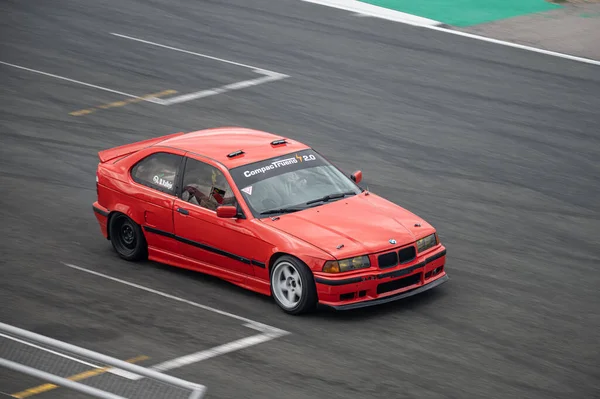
column 127, row 238
column 293, row 286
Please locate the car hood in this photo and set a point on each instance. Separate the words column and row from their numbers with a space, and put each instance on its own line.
column 361, row 224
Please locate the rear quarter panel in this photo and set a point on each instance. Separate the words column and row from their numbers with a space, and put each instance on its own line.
column 118, row 192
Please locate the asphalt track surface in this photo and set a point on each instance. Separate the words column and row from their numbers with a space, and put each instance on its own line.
column 497, row 147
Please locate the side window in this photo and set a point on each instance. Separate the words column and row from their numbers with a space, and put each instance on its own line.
column 205, row 185
column 157, row 171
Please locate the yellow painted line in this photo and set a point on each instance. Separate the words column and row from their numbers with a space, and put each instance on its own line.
column 122, row 103
column 77, row 377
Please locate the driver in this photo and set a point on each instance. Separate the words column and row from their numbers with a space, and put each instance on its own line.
column 210, row 194
column 293, row 184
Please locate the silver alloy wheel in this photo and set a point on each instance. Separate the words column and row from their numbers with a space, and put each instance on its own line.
column 287, row 284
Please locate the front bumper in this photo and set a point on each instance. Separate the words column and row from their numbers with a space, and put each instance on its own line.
column 375, row 287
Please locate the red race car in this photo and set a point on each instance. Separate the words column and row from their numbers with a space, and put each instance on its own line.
column 267, row 213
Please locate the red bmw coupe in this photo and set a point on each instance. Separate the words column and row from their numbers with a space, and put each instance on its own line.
column 267, row 213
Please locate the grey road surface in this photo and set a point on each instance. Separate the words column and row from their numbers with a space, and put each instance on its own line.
column 499, row 148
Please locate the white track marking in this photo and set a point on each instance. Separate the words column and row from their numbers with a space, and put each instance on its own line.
column 515, row 45
column 118, row 372
column 270, row 76
column 268, row 333
column 214, row 352
column 185, row 51
column 409, row 19
column 80, row 82
column 366, row 9
column 256, row 325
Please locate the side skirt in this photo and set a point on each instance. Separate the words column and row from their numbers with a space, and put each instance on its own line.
column 248, row 282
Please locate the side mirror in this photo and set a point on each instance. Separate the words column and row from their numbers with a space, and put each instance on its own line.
column 227, row 212
column 356, row 176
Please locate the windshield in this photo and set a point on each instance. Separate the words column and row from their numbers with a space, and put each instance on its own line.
column 290, row 181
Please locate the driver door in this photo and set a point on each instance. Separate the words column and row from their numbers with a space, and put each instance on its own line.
column 218, row 242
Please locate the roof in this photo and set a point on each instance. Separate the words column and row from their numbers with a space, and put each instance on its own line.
column 217, row 143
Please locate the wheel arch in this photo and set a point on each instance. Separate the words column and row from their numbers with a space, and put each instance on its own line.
column 108, row 221
column 274, row 259
column 140, row 250
column 279, row 254
column 125, row 210
column 309, row 298
column 311, row 257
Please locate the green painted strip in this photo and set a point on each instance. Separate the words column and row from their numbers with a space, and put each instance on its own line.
column 466, row 12
column 590, row 15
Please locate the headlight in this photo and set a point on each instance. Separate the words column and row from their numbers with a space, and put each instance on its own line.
column 346, row 265
column 427, row 242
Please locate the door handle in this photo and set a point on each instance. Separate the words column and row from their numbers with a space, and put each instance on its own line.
column 184, row 211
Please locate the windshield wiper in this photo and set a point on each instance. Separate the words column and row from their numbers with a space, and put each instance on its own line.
column 281, row 210
column 330, row 197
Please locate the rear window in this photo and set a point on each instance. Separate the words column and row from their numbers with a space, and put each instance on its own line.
column 157, row 171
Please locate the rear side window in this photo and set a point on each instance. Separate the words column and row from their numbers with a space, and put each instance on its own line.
column 157, row 171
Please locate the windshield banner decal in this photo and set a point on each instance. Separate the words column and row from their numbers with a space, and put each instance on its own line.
column 258, row 171
column 279, row 163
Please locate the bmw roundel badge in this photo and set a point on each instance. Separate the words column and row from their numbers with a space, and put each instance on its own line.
column 392, row 241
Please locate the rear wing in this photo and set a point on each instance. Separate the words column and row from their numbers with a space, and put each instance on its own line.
column 121, row 151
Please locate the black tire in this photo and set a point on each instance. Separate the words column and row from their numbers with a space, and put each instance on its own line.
column 308, row 291
column 127, row 238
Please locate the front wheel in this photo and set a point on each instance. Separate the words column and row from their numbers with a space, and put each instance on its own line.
column 127, row 238
column 293, row 286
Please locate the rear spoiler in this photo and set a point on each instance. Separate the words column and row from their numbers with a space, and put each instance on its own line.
column 121, row 151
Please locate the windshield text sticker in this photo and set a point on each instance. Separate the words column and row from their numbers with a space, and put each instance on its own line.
column 280, row 163
column 309, row 157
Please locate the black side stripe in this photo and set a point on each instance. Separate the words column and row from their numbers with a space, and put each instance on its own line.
column 205, row 247
column 100, row 211
column 396, row 273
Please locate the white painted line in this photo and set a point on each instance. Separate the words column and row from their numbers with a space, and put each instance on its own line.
column 359, row 7
column 119, row 372
column 515, row 45
column 256, row 325
column 272, row 76
column 123, row 373
column 79, row 82
column 185, row 51
column 193, row 96
column 214, row 352
column 409, row 19
column 268, row 333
